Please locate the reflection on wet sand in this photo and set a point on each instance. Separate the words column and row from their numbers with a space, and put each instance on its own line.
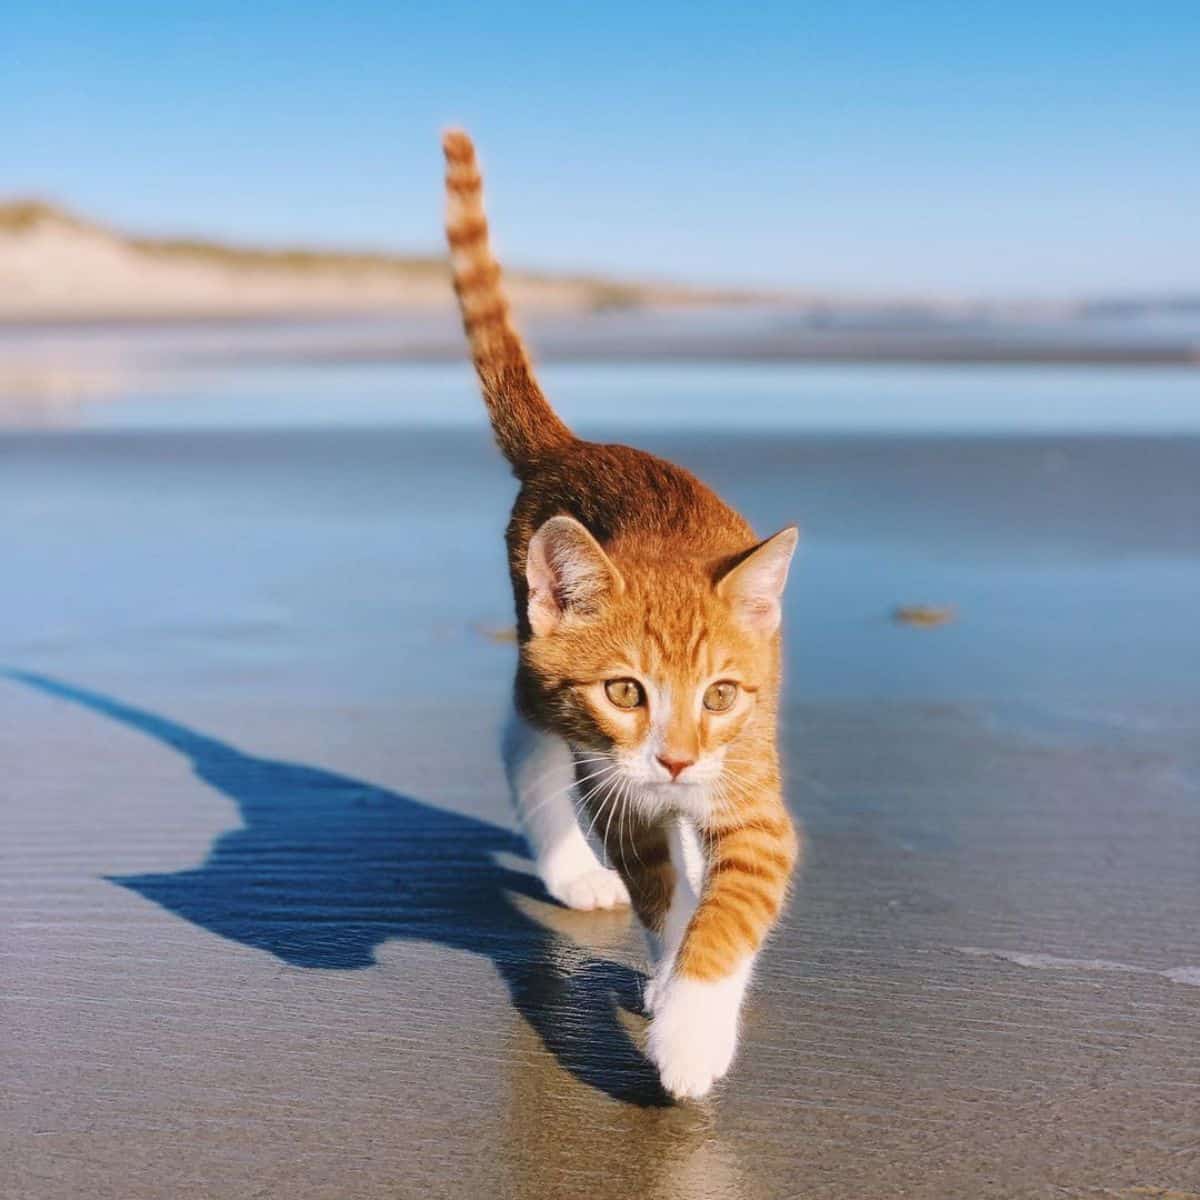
column 557, row 1141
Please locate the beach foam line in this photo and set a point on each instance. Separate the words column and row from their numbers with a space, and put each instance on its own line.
column 1051, row 962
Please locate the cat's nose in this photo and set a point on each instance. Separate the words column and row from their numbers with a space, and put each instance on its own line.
column 676, row 766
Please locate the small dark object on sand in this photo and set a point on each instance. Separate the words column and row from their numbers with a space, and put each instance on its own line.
column 501, row 634
column 924, row 616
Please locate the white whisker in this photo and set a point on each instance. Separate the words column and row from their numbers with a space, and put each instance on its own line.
column 599, row 810
column 570, row 789
column 625, row 785
column 608, row 824
column 633, row 834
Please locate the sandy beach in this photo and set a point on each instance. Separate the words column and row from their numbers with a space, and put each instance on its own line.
column 266, row 925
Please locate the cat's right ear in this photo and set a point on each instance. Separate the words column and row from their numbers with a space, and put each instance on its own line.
column 569, row 575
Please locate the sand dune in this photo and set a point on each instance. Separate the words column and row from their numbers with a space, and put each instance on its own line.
column 55, row 265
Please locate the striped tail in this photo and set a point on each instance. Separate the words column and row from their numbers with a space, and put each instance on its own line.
column 526, row 426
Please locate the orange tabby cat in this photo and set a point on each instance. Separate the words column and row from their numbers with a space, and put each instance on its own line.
column 647, row 686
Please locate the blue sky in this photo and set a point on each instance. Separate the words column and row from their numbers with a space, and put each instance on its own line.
column 872, row 147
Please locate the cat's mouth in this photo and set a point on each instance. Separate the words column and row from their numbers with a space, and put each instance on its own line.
column 658, row 797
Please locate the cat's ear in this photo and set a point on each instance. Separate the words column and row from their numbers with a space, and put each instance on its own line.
column 753, row 587
column 569, row 575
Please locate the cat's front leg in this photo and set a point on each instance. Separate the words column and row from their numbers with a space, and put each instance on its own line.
column 541, row 772
column 694, row 1031
column 687, row 861
column 697, row 1006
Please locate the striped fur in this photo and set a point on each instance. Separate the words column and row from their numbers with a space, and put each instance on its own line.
column 525, row 424
column 626, row 567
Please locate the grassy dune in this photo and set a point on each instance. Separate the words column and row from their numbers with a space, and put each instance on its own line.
column 55, row 263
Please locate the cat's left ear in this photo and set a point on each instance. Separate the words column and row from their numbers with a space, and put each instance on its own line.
column 753, row 587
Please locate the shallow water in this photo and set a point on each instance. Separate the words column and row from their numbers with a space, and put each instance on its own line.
column 1072, row 564
column 207, row 393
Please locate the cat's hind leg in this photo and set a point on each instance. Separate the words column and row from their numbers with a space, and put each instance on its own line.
column 541, row 773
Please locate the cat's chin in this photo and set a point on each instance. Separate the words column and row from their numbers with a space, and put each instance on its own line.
column 684, row 797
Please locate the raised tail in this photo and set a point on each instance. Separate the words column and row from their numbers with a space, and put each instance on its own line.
column 525, row 424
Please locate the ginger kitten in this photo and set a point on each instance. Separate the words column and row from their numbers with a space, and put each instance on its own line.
column 647, row 687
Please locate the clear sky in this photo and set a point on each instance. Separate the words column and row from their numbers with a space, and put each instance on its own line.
column 877, row 146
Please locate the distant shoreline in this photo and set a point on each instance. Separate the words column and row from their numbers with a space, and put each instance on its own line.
column 742, row 334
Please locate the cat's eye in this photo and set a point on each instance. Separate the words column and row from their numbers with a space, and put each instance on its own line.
column 625, row 693
column 720, row 697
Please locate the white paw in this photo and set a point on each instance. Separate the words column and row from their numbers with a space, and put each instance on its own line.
column 693, row 1035
column 596, row 888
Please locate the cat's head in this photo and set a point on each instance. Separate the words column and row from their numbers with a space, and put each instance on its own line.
column 656, row 667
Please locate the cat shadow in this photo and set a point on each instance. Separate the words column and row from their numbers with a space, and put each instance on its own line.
column 325, row 868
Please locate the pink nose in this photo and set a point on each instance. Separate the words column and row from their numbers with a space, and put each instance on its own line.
column 676, row 766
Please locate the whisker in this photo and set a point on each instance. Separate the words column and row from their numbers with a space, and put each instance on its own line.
column 602, row 782
column 599, row 810
column 602, row 770
column 633, row 832
column 608, row 826
column 621, row 824
column 544, row 800
column 545, row 774
column 568, row 790
column 608, row 803
column 726, row 806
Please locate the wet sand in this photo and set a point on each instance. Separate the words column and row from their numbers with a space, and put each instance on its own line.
column 50, row 359
column 266, row 929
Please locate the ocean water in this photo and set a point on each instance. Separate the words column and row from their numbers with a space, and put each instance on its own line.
column 343, row 524
column 749, row 397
